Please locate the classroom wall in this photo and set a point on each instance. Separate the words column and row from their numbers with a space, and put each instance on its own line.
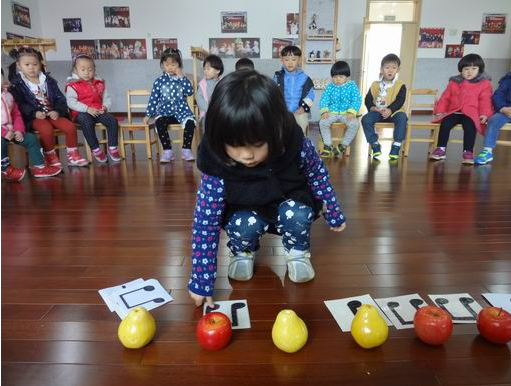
column 35, row 19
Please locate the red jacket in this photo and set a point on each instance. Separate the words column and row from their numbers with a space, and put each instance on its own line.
column 470, row 98
column 89, row 93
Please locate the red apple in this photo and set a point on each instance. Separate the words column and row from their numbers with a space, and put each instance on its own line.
column 214, row 331
column 494, row 324
column 433, row 325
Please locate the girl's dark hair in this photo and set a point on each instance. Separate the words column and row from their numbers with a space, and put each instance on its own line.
column 340, row 68
column 291, row 50
column 390, row 58
column 215, row 62
column 471, row 60
column 172, row 53
column 247, row 108
column 16, row 54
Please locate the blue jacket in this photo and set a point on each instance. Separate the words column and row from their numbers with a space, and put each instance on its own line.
column 168, row 98
column 341, row 99
column 297, row 87
column 502, row 95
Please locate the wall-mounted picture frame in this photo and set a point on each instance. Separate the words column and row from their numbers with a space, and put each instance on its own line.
column 494, row 23
column 84, row 47
column 122, row 49
column 117, row 17
column 160, row 45
column 20, row 15
column 72, row 25
column 233, row 22
column 235, row 47
column 293, row 23
column 470, row 37
column 431, row 37
column 454, row 50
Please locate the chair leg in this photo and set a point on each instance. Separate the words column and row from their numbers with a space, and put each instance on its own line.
column 88, row 152
column 347, row 152
column 121, row 143
column 149, row 148
column 130, row 134
column 407, row 140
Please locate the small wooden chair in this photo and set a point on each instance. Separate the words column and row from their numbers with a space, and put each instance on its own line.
column 58, row 146
column 338, row 137
column 506, row 127
column 432, row 128
column 103, row 140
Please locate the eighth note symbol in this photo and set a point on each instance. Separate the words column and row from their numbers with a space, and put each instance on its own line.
column 147, row 288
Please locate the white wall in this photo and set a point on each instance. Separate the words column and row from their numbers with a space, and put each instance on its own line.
column 35, row 30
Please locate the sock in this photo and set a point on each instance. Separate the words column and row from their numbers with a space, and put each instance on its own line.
column 96, row 150
column 71, row 149
column 112, row 147
column 39, row 166
column 376, row 143
column 442, row 147
column 49, row 152
column 398, row 144
column 488, row 149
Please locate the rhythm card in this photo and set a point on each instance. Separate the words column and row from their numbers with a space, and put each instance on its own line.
column 401, row 309
column 499, row 300
column 462, row 307
column 236, row 310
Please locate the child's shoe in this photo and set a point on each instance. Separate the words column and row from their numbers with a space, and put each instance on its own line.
column 483, row 158
column 45, row 171
column 99, row 155
column 468, row 157
column 74, row 158
column 341, row 148
column 187, row 155
column 13, row 174
column 326, row 152
column 335, row 151
column 167, row 156
column 51, row 159
column 376, row 147
column 299, row 267
column 394, row 152
column 438, row 154
column 241, row 266
column 114, row 154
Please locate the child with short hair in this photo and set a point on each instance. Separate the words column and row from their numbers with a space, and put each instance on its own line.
column 244, row 64
column 385, row 102
column 13, row 131
column 339, row 102
column 259, row 174
column 213, row 69
column 43, row 106
column 466, row 101
column 168, row 105
column 502, row 103
column 295, row 85
column 89, row 102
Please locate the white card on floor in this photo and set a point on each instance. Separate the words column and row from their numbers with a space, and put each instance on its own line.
column 462, row 307
column 236, row 310
column 401, row 309
column 344, row 310
column 149, row 294
column 499, row 300
column 107, row 292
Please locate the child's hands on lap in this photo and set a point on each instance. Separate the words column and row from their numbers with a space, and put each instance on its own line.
column 339, row 228
column 93, row 111
column 199, row 299
column 40, row 115
column 18, row 136
column 53, row 115
column 9, row 135
column 506, row 111
column 385, row 113
column 483, row 118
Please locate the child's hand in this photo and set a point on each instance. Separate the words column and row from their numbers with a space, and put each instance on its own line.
column 146, row 120
column 385, row 113
column 40, row 115
column 350, row 116
column 483, row 118
column 300, row 111
column 199, row 299
column 440, row 115
column 325, row 115
column 18, row 136
column 506, row 111
column 92, row 111
column 179, row 72
column 53, row 115
column 374, row 108
column 339, row 228
column 10, row 135
column 103, row 109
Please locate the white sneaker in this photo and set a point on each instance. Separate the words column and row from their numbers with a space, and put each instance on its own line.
column 241, row 266
column 167, row 156
column 187, row 155
column 299, row 267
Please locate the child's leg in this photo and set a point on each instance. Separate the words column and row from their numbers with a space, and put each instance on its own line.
column 324, row 129
column 445, row 128
column 45, row 129
column 495, row 123
column 69, row 130
column 161, row 128
column 399, row 119
column 5, row 154
column 244, row 230
column 188, row 134
column 469, row 133
column 303, row 121
column 88, row 125
column 112, row 128
column 31, row 143
column 368, row 122
column 294, row 223
column 351, row 131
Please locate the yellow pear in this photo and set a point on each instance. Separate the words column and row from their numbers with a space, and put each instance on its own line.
column 368, row 328
column 137, row 329
column 289, row 332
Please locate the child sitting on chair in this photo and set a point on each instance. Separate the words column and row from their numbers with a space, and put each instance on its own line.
column 259, row 174
column 88, row 100
column 213, row 69
column 385, row 102
column 340, row 102
column 168, row 105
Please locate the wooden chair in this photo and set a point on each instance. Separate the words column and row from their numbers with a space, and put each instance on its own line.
column 58, row 146
column 103, row 140
column 432, row 128
column 132, row 127
column 506, row 127
column 337, row 138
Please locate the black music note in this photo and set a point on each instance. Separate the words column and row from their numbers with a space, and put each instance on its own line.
column 210, row 309
column 353, row 306
column 234, row 312
column 147, row 288
column 393, row 305
column 441, row 302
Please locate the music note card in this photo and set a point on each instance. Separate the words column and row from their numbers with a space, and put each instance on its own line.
column 107, row 292
column 499, row 300
column 462, row 307
column 236, row 310
column 344, row 310
column 401, row 309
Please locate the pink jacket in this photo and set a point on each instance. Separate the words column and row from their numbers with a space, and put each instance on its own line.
column 470, row 98
column 11, row 116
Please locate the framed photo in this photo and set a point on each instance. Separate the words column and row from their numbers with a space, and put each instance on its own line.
column 21, row 15
column 431, row 37
column 122, row 49
column 72, row 25
column 277, row 45
column 87, row 47
column 160, row 45
column 454, row 51
column 470, row 37
column 293, row 23
column 494, row 23
column 117, row 17
column 235, row 47
column 233, row 22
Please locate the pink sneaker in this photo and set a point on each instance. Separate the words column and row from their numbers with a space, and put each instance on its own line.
column 114, row 154
column 45, row 171
column 187, row 155
column 51, row 159
column 13, row 174
column 99, row 155
column 438, row 154
column 468, row 157
column 74, row 158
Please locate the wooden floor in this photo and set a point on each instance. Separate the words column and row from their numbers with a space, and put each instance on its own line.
column 412, row 227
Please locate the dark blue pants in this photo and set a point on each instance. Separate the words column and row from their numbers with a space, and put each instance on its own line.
column 399, row 120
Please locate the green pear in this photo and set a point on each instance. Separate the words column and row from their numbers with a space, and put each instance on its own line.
column 289, row 332
column 368, row 328
column 137, row 329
